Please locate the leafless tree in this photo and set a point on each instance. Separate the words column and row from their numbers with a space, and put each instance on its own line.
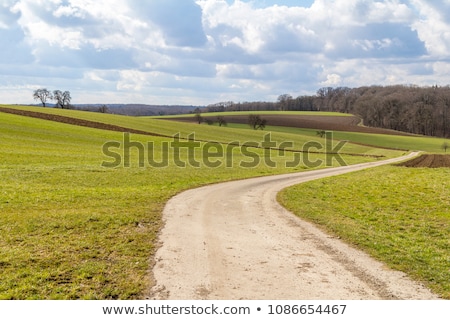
column 221, row 121
column 284, row 101
column 256, row 122
column 103, row 109
column 43, row 95
column 445, row 146
column 62, row 99
column 198, row 117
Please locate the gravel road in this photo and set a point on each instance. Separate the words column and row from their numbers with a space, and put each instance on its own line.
column 234, row 241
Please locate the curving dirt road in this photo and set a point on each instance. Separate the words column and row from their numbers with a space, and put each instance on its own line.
column 234, row 241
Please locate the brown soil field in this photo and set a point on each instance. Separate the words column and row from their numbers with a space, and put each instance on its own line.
column 331, row 123
column 428, row 161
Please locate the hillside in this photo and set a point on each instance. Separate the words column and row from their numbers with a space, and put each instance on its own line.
column 72, row 227
column 309, row 121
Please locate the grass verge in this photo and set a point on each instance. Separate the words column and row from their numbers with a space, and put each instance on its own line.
column 398, row 215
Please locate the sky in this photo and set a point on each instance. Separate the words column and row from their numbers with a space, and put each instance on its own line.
column 199, row 52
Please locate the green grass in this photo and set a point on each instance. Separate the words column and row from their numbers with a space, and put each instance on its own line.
column 72, row 229
column 240, row 134
column 414, row 143
column 399, row 215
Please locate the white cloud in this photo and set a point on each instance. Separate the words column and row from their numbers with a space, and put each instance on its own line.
column 131, row 80
column 333, row 80
column 434, row 26
column 213, row 49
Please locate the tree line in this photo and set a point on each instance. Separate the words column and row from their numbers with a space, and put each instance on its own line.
column 408, row 108
column 61, row 98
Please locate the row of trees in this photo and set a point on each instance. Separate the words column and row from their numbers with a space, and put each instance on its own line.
column 254, row 121
column 62, row 98
column 419, row 110
column 405, row 108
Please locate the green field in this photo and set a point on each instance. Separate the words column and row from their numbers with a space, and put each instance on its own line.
column 398, row 215
column 71, row 228
column 422, row 143
column 239, row 134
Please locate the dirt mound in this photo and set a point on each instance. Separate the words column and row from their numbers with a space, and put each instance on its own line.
column 428, row 161
column 330, row 123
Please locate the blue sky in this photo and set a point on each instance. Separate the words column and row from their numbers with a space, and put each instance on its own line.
column 206, row 51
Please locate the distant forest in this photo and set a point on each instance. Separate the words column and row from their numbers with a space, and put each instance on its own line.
column 413, row 109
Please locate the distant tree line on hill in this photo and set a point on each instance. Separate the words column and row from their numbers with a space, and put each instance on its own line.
column 413, row 109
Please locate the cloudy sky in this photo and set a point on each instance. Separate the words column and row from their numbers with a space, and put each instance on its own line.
column 205, row 51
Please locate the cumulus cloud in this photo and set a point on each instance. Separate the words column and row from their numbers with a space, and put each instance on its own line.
column 433, row 26
column 179, row 21
column 195, row 50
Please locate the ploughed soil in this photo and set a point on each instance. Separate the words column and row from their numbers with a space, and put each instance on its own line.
column 330, row 123
column 428, row 161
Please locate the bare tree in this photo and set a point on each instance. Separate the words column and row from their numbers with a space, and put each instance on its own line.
column 198, row 116
column 103, row 109
column 284, row 101
column 43, row 95
column 62, row 99
column 321, row 133
column 445, row 146
column 256, row 122
column 221, row 121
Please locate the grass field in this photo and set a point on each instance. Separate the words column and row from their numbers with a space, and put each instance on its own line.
column 73, row 229
column 240, row 134
column 422, row 143
column 399, row 215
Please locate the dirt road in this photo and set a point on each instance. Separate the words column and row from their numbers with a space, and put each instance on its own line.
column 234, row 241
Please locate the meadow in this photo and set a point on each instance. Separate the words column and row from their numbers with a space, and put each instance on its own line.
column 71, row 228
column 399, row 215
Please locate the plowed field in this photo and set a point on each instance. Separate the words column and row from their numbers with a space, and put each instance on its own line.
column 331, row 123
column 428, row 161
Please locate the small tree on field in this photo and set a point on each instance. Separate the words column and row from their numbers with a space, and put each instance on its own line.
column 62, row 99
column 221, row 121
column 445, row 146
column 43, row 95
column 198, row 116
column 321, row 133
column 256, row 122
column 103, row 109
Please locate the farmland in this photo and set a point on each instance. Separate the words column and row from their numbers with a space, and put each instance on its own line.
column 306, row 120
column 74, row 229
